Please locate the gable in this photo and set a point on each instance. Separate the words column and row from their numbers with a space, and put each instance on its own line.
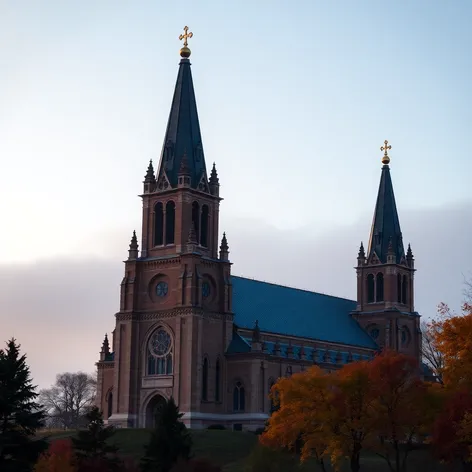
column 293, row 312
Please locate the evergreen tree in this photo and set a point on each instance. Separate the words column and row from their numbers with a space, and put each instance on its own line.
column 170, row 440
column 91, row 445
column 20, row 414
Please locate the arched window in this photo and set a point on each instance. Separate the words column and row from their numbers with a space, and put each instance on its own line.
column 160, row 353
column 370, row 288
column 204, row 226
column 170, row 222
column 217, row 381
column 205, row 380
column 399, row 288
column 110, row 404
column 238, row 397
column 196, row 219
column 405, row 336
column 379, row 296
column 404, row 289
column 158, row 224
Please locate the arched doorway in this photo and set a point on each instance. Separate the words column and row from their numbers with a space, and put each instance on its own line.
column 152, row 410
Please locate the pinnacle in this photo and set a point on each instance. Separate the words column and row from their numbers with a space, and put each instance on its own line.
column 149, row 177
column 134, row 241
column 361, row 251
column 214, row 175
column 224, row 243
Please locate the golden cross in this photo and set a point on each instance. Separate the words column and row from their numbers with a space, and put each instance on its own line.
column 185, row 36
column 385, row 148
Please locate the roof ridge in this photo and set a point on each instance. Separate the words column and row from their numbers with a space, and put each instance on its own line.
column 292, row 288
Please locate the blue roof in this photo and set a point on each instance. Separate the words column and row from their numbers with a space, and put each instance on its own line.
column 295, row 312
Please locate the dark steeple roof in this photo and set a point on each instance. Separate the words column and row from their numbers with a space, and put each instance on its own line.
column 183, row 133
column 386, row 225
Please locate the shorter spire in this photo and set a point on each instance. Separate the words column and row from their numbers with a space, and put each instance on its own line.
column 224, row 249
column 214, row 175
column 105, row 351
column 133, row 247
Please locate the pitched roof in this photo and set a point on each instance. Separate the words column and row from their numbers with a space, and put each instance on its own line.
column 183, row 132
column 295, row 312
column 386, row 224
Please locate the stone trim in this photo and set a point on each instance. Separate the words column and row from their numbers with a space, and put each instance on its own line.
column 197, row 415
column 136, row 316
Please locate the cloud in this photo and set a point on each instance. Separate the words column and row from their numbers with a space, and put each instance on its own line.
column 59, row 309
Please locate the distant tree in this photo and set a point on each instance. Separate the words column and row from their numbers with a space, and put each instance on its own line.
column 20, row 415
column 58, row 458
column 430, row 353
column 69, row 399
column 91, row 445
column 170, row 441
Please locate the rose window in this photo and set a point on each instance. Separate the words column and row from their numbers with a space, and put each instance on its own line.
column 160, row 353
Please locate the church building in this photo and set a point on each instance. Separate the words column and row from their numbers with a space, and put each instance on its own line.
column 188, row 328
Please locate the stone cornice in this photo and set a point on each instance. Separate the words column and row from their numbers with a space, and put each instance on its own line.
column 164, row 314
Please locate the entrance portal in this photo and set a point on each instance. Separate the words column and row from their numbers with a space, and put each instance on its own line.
column 152, row 410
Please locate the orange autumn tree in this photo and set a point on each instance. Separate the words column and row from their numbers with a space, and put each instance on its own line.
column 323, row 414
column 58, row 458
column 404, row 406
column 299, row 424
column 453, row 338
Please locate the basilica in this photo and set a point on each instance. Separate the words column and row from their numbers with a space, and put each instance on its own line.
column 188, row 328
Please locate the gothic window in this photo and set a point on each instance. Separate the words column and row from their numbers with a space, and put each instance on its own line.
column 399, row 288
column 238, row 397
column 204, row 226
column 158, row 224
column 159, row 353
column 217, row 381
column 404, row 289
column 370, row 288
column 110, row 404
column 379, row 295
column 170, row 222
column 205, row 380
column 196, row 219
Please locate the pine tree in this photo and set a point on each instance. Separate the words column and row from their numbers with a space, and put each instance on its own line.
column 91, row 445
column 20, row 414
column 169, row 441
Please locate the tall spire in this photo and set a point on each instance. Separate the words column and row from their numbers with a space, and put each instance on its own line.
column 386, row 224
column 183, row 135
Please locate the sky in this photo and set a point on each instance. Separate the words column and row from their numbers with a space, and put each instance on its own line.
column 294, row 99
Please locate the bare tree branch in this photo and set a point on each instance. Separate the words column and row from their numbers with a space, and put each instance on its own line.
column 69, row 399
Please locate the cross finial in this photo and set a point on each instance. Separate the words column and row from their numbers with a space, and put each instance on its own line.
column 385, row 148
column 185, row 36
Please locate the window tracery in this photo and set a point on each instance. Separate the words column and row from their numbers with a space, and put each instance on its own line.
column 160, row 353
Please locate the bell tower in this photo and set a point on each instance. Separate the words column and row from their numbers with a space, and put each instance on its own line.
column 175, row 319
column 385, row 276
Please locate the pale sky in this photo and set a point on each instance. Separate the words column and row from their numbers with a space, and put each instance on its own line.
column 294, row 99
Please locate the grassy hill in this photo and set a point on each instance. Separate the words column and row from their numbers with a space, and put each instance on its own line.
column 231, row 450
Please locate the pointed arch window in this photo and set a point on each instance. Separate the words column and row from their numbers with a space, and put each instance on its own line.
column 404, row 289
column 160, row 353
column 196, row 219
column 217, row 381
column 110, row 404
column 239, row 398
column 170, row 222
column 158, row 224
column 370, row 288
column 379, row 289
column 205, row 380
column 204, row 226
